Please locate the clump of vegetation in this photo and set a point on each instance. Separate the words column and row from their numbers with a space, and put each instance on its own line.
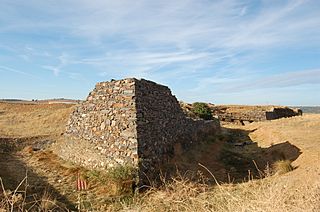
column 119, row 179
column 124, row 177
column 118, row 173
column 122, row 173
column 202, row 110
column 282, row 167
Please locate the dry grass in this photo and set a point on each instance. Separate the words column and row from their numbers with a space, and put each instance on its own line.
column 30, row 120
column 18, row 200
column 298, row 190
column 282, row 167
column 47, row 202
column 260, row 195
column 265, row 195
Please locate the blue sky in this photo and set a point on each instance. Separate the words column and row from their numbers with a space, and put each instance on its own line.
column 224, row 52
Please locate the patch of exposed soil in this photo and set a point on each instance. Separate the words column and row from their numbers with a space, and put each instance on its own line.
column 18, row 171
column 232, row 157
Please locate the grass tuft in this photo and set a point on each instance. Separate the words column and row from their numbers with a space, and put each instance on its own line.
column 282, row 167
column 47, row 203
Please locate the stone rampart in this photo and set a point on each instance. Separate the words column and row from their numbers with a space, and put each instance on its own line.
column 243, row 114
column 131, row 122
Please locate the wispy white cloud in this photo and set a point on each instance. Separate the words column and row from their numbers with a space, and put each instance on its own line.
column 13, row 70
column 287, row 79
column 210, row 43
column 290, row 87
column 55, row 69
column 63, row 60
column 179, row 23
column 140, row 63
column 182, row 24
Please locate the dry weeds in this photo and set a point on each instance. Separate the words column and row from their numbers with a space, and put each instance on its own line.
column 269, row 194
column 31, row 120
column 282, row 167
column 18, row 200
column 297, row 190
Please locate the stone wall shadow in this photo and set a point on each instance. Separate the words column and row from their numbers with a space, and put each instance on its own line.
column 13, row 171
column 231, row 157
column 243, row 157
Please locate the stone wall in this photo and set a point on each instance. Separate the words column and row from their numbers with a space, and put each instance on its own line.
column 162, row 126
column 130, row 121
column 243, row 114
column 107, row 122
column 282, row 112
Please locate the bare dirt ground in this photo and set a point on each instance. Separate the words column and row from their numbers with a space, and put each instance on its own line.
column 28, row 130
column 301, row 131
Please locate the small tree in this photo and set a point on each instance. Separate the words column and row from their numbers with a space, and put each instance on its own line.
column 202, row 110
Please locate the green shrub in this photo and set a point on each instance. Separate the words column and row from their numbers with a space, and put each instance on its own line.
column 202, row 110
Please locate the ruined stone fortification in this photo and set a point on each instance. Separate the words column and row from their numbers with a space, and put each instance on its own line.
column 243, row 114
column 131, row 122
